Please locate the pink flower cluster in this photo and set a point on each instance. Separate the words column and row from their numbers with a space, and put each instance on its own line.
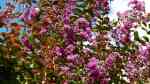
column 65, row 47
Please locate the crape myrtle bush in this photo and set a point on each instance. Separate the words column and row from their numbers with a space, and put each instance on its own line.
column 73, row 42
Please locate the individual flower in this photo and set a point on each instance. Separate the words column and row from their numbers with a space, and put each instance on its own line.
column 111, row 59
column 58, row 51
column 72, row 57
column 84, row 35
column 43, row 30
column 25, row 41
column 87, row 50
column 93, row 62
column 34, row 11
column 144, row 50
column 64, row 69
column 69, row 49
column 84, row 28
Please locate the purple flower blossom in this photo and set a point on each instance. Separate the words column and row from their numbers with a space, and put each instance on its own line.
column 58, row 51
column 111, row 59
column 120, row 35
column 34, row 11
column 84, row 34
column 69, row 10
column 87, row 50
column 144, row 52
column 137, row 5
column 69, row 49
column 69, row 36
column 103, row 4
column 24, row 16
column 96, row 71
column 93, row 62
column 93, row 22
column 72, row 57
column 25, row 41
column 43, row 30
column 82, row 23
column 132, row 71
column 84, row 28
column 65, row 69
column 128, row 24
column 29, row 14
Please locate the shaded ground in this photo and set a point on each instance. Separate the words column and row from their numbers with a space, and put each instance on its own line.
column 7, row 75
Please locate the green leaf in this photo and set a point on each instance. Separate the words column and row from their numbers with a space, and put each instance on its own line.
column 148, row 32
column 81, row 4
column 79, row 9
column 31, row 39
column 136, row 36
column 148, row 25
column 73, row 82
column 144, row 25
column 141, row 82
column 22, row 32
column 73, row 18
column 18, row 21
column 146, row 38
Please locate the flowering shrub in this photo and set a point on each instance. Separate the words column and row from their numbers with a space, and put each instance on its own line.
column 73, row 42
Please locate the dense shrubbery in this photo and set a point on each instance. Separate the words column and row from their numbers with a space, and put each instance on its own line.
column 73, row 42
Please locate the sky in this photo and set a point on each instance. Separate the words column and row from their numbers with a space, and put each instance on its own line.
column 122, row 5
